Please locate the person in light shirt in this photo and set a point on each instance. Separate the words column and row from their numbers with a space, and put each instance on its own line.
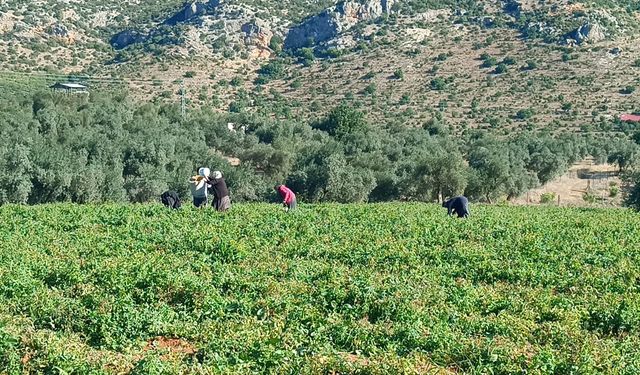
column 199, row 184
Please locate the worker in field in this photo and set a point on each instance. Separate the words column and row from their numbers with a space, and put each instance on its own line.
column 199, row 184
column 221, row 200
column 459, row 205
column 170, row 199
column 288, row 197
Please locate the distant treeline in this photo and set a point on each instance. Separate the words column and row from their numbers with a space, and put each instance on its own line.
column 108, row 147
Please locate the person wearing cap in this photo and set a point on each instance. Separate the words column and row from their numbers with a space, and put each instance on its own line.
column 288, row 197
column 221, row 200
column 198, row 185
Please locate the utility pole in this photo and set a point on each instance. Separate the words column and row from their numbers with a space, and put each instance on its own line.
column 183, row 102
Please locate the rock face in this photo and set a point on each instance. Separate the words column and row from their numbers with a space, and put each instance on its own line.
column 335, row 20
column 257, row 34
column 189, row 11
column 589, row 32
column 203, row 24
column 126, row 38
column 58, row 31
column 61, row 33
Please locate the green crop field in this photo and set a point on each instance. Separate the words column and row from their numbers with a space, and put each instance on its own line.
column 370, row 289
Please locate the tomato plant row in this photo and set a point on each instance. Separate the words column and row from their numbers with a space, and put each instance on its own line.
column 381, row 288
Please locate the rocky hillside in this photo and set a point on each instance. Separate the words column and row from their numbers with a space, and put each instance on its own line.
column 501, row 64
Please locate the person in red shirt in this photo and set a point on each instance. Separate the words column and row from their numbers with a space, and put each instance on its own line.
column 288, row 197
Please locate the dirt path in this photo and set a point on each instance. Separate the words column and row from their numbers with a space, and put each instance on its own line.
column 571, row 187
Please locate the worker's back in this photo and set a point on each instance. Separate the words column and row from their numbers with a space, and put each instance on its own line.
column 198, row 185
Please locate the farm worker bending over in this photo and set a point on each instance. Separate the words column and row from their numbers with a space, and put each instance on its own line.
column 288, row 197
column 221, row 200
column 198, row 185
column 458, row 204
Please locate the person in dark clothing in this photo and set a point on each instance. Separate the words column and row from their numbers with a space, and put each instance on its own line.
column 221, row 200
column 459, row 205
column 170, row 199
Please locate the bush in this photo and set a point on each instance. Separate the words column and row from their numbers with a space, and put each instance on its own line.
column 276, row 44
column 489, row 61
column 236, row 81
column 589, row 197
column 525, row 114
column 547, row 198
column 614, row 190
column 438, row 84
column 370, row 89
column 628, row 90
column 500, row 69
column 531, row 65
column 398, row 74
column 272, row 70
column 343, row 120
column 442, row 57
column 509, row 60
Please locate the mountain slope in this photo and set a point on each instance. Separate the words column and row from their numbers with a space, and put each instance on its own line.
column 442, row 63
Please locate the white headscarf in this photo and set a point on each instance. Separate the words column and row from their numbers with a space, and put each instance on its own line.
column 204, row 172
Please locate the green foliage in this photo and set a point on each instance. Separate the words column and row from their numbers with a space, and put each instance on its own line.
column 525, row 114
column 110, row 148
column 531, row 65
column 236, row 81
column 546, row 198
column 276, row 44
column 370, row 89
column 343, row 120
column 488, row 61
column 632, row 178
column 438, row 84
column 363, row 287
column 274, row 69
column 509, row 61
column 589, row 197
column 500, row 69
column 306, row 55
column 398, row 74
column 442, row 57
column 614, row 190
column 628, row 90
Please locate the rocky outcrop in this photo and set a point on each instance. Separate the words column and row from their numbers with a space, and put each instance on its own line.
column 202, row 24
column 126, row 38
column 335, row 20
column 588, row 32
column 190, row 11
column 58, row 31
column 256, row 33
column 61, row 33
